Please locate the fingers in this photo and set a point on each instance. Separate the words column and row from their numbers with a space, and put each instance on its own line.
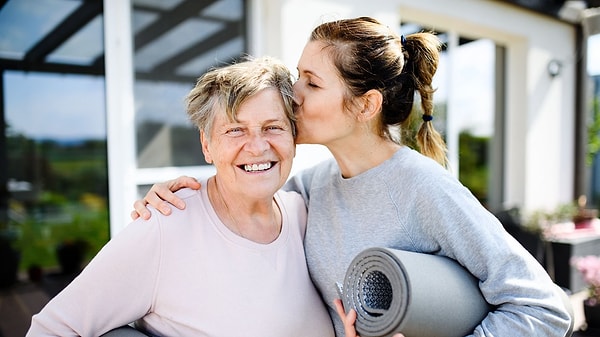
column 339, row 308
column 161, row 196
column 191, row 181
column 351, row 319
column 140, row 210
column 179, row 183
column 161, row 192
column 348, row 319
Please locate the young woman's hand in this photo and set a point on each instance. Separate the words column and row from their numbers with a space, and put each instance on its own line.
column 349, row 319
column 161, row 196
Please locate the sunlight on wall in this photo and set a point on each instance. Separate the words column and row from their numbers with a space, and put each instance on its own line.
column 593, row 66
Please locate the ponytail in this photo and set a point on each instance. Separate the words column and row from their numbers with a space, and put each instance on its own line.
column 422, row 58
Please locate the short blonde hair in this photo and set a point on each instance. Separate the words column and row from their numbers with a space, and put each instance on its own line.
column 226, row 88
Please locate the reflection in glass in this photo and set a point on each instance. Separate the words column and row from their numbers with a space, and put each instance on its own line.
column 84, row 47
column 593, row 121
column 171, row 43
column 57, row 167
column 225, row 52
column 164, row 135
column 40, row 16
column 174, row 45
column 466, row 117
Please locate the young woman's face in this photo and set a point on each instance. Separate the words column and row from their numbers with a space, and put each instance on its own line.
column 319, row 93
column 254, row 155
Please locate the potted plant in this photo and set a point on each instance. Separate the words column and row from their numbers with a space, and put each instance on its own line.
column 9, row 257
column 589, row 267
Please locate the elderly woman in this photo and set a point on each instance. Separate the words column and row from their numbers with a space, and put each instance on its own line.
column 232, row 263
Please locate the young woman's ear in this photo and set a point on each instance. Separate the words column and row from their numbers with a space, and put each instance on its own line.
column 205, row 150
column 372, row 101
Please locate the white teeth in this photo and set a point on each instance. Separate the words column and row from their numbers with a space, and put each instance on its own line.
column 257, row 167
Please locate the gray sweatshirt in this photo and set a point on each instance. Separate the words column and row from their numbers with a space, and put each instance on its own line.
column 410, row 202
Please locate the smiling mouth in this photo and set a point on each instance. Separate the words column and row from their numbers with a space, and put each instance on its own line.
column 259, row 167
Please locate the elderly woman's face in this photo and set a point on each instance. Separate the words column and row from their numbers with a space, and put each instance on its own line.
column 253, row 155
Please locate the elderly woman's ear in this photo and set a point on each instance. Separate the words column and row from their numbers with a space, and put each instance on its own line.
column 204, row 142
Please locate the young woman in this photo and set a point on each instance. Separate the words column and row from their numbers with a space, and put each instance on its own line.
column 232, row 263
column 356, row 86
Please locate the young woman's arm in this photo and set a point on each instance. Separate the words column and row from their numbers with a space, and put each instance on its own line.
column 161, row 195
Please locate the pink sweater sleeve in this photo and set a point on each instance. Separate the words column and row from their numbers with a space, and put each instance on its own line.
column 116, row 288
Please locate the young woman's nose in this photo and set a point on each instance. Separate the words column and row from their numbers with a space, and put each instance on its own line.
column 297, row 97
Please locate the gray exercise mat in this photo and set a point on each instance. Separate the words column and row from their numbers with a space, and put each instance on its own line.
column 124, row 331
column 417, row 294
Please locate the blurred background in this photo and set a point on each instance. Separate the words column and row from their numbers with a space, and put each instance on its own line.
column 92, row 113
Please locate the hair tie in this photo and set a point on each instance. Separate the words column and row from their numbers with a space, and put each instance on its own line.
column 403, row 40
column 427, row 118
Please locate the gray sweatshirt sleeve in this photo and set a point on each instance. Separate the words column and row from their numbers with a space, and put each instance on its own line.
column 454, row 223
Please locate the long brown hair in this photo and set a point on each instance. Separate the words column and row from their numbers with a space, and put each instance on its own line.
column 369, row 55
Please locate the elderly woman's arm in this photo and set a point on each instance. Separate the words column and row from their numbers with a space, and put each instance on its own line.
column 114, row 289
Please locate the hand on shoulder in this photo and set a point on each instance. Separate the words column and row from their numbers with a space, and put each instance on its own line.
column 161, row 196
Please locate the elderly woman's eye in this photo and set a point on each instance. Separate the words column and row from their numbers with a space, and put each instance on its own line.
column 275, row 128
column 234, row 131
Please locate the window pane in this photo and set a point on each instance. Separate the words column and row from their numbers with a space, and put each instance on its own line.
column 84, row 47
column 474, row 115
column 174, row 45
column 24, row 22
column 465, row 110
column 164, row 136
column 57, row 167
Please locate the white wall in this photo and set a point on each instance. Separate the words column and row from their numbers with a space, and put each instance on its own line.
column 540, row 109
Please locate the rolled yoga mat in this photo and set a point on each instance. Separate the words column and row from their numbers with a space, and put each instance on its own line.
column 124, row 331
column 419, row 295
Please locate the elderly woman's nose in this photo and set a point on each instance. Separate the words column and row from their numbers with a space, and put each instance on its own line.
column 257, row 144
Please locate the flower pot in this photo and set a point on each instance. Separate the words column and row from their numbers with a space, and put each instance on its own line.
column 9, row 264
column 592, row 315
column 70, row 255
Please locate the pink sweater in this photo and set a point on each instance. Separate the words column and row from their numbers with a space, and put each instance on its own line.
column 188, row 275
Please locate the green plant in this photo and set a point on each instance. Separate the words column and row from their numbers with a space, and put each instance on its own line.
column 538, row 220
column 593, row 131
column 58, row 222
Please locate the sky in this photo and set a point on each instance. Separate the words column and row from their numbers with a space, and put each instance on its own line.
column 39, row 108
column 472, row 89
